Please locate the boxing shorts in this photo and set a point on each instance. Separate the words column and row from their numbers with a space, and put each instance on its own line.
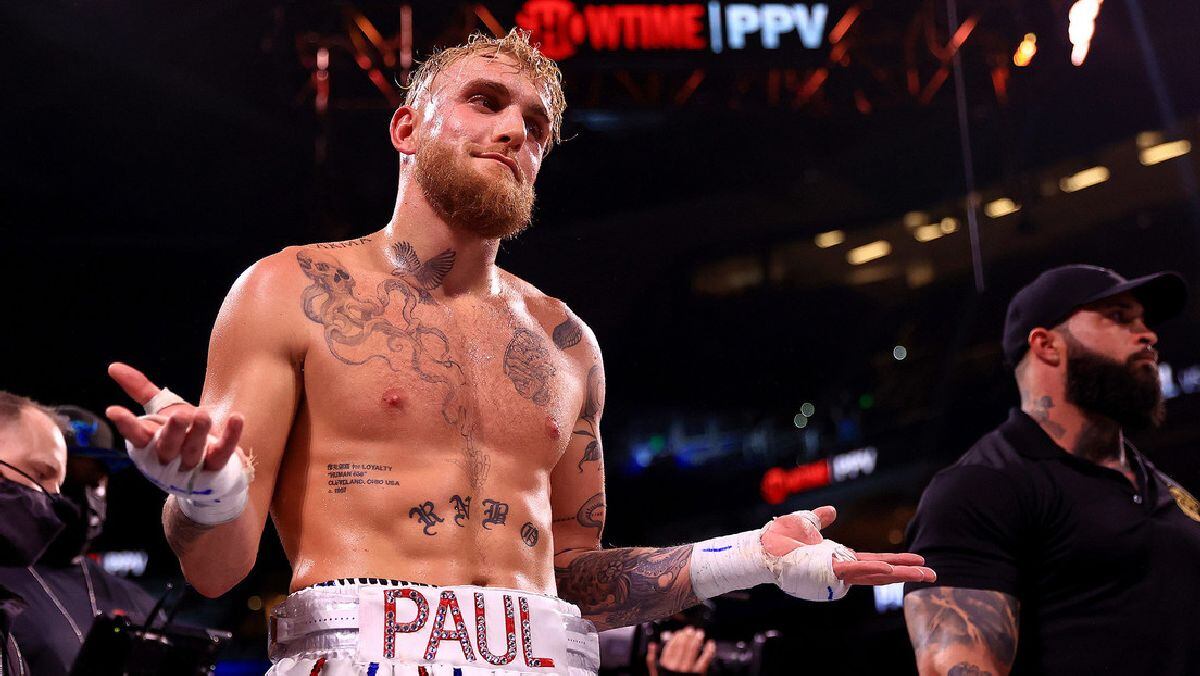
column 380, row 627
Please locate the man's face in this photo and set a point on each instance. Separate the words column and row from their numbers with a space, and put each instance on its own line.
column 482, row 133
column 1112, row 366
column 34, row 444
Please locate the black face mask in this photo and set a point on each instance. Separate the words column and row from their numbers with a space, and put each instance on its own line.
column 30, row 519
column 81, row 530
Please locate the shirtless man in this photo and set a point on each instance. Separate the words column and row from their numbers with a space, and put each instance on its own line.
column 414, row 412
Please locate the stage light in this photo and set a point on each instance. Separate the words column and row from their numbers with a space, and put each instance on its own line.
column 831, row 238
column 927, row 233
column 1083, row 179
column 1164, row 151
column 868, row 252
column 254, row 602
column 948, row 226
column 899, row 353
column 800, row 421
column 1000, row 207
column 807, row 410
column 915, row 219
column 1082, row 16
column 1025, row 51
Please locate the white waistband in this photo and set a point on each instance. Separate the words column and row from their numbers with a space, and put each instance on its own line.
column 395, row 621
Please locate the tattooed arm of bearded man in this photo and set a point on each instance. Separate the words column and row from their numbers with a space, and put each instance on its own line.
column 626, row 586
column 957, row 631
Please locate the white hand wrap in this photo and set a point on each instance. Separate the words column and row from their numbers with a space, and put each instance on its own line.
column 163, row 399
column 204, row 496
column 739, row 561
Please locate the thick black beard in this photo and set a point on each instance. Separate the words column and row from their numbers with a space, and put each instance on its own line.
column 1128, row 393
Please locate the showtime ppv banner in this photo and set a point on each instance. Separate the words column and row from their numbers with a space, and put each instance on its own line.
column 566, row 29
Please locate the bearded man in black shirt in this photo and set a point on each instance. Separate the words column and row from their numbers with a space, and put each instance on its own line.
column 1059, row 548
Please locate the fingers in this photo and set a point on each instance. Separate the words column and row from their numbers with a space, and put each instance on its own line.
column 227, row 444
column 827, row 514
column 138, row 432
column 706, row 657
column 684, row 651
column 191, row 451
column 652, row 659
column 133, row 382
column 901, row 559
column 879, row 572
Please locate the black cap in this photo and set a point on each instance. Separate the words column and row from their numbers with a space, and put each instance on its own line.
column 1056, row 293
column 90, row 436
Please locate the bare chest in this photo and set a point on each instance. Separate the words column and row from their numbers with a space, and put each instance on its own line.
column 389, row 367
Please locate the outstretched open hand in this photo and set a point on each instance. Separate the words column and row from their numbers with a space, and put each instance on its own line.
column 793, row 530
column 185, row 431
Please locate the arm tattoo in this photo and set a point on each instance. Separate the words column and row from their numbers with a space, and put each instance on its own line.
column 386, row 326
column 567, row 334
column 585, row 426
column 945, row 616
column 591, row 514
column 621, row 587
column 182, row 533
column 967, row 669
column 527, row 366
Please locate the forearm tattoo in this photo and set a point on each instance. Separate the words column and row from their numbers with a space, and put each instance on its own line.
column 388, row 327
column 939, row 617
column 182, row 533
column 622, row 587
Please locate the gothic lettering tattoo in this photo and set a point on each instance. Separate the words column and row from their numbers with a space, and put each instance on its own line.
column 344, row 245
column 620, row 587
column 462, row 509
column 529, row 534
column 568, row 333
column 939, row 617
column 1041, row 413
column 527, row 366
column 386, row 326
column 591, row 514
column 494, row 513
column 967, row 669
column 586, row 425
column 424, row 513
column 343, row 475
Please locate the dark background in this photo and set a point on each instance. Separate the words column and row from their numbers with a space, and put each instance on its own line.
column 152, row 151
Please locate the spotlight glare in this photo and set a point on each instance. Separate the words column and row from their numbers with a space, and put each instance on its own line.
column 1164, row 151
column 927, row 233
column 825, row 240
column 868, row 252
column 899, row 353
column 948, row 225
column 1000, row 207
column 1025, row 51
column 1083, row 179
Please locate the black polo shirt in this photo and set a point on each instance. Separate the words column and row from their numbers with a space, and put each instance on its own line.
column 1108, row 575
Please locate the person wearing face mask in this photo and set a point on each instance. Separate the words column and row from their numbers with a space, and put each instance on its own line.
column 52, row 506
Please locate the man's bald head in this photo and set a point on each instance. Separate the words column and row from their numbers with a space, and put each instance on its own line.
column 31, row 440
